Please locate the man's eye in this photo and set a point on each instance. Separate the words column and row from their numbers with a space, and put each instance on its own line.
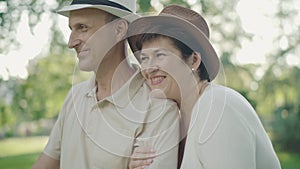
column 83, row 27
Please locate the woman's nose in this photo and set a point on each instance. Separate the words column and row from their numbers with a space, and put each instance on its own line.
column 151, row 68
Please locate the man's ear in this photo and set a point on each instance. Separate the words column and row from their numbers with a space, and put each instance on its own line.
column 121, row 27
column 196, row 56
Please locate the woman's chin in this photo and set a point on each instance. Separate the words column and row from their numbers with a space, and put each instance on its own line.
column 158, row 93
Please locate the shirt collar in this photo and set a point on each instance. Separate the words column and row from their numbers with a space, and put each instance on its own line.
column 91, row 87
column 124, row 95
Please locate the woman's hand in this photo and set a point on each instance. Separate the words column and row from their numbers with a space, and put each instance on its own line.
column 141, row 157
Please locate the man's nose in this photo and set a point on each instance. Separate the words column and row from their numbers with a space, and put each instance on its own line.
column 73, row 41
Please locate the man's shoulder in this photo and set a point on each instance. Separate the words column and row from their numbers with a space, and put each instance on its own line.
column 76, row 89
column 81, row 84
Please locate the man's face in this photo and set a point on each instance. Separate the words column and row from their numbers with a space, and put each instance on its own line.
column 91, row 37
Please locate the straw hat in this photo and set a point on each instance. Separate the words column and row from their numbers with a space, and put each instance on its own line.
column 122, row 8
column 196, row 33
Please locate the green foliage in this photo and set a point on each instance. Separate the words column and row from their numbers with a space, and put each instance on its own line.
column 283, row 98
column 289, row 160
column 286, row 127
column 144, row 5
column 6, row 115
column 20, row 153
column 11, row 16
column 42, row 94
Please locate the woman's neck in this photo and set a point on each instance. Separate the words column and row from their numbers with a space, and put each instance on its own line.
column 189, row 99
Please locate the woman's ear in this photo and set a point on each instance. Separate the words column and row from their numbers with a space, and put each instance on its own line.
column 121, row 27
column 196, row 56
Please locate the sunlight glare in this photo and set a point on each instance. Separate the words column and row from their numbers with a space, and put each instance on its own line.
column 256, row 19
column 15, row 62
column 293, row 60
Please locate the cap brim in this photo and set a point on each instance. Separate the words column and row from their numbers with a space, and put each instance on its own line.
column 129, row 16
column 197, row 41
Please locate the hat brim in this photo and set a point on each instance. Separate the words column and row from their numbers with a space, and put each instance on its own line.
column 196, row 40
column 129, row 16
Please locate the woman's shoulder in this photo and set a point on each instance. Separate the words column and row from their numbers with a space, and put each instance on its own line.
column 226, row 96
column 221, row 108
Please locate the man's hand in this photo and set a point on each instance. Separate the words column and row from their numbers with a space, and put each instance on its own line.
column 46, row 162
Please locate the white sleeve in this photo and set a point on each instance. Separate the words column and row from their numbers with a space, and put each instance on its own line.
column 232, row 145
column 219, row 136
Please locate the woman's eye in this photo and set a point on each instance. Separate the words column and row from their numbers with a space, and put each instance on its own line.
column 143, row 59
column 160, row 54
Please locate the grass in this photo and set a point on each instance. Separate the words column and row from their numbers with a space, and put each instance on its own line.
column 19, row 146
column 18, row 161
column 289, row 161
column 20, row 153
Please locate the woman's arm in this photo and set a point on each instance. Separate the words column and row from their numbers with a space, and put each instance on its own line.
column 141, row 157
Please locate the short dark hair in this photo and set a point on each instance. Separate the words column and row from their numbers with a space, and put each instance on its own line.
column 182, row 47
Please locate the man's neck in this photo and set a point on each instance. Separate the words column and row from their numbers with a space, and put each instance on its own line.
column 112, row 74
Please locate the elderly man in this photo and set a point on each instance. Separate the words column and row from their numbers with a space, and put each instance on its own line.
column 102, row 119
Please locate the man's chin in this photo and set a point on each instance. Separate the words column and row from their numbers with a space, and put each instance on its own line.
column 85, row 68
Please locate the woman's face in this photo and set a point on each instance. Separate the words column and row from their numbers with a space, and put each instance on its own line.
column 163, row 68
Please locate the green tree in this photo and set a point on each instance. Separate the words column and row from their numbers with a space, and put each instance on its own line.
column 212, row 10
column 280, row 97
column 42, row 94
column 278, row 93
column 7, row 117
column 10, row 16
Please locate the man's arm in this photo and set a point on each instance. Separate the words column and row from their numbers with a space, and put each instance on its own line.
column 45, row 162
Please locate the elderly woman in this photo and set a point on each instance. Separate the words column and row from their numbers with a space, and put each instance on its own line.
column 221, row 128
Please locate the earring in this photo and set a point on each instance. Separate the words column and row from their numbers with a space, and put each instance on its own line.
column 193, row 70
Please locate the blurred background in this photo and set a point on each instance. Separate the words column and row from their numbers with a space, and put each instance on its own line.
column 258, row 42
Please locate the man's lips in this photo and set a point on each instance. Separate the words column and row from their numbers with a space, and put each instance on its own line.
column 83, row 52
